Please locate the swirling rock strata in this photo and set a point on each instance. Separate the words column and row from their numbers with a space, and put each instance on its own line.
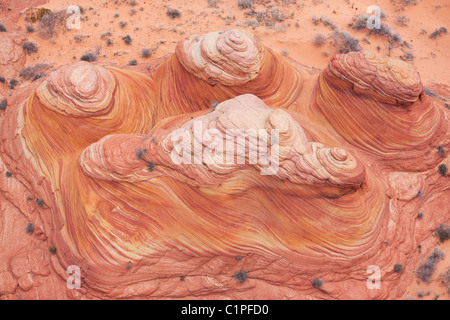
column 81, row 90
column 92, row 145
column 197, row 151
column 378, row 105
column 391, row 78
column 230, row 57
column 223, row 65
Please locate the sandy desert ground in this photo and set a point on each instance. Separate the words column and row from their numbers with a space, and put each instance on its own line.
column 289, row 27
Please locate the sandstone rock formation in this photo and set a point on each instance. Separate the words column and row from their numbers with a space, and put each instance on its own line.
column 12, row 56
column 93, row 146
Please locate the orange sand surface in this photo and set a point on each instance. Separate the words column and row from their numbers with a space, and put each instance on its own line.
column 151, row 28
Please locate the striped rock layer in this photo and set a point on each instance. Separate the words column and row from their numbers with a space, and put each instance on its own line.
column 97, row 146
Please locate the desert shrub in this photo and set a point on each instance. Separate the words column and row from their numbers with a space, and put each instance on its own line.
column 31, row 72
column 27, row 73
column 133, row 11
column 443, row 232
column 173, row 13
column 106, row 35
column 132, row 62
column 238, row 257
column 39, row 202
column 359, row 22
column 445, row 279
column 269, row 18
column 423, row 293
column 123, row 24
column 441, row 150
column 30, row 228
column 319, row 39
column 328, row 23
column 390, row 48
column 12, row 83
column 2, row 79
column 384, row 30
column 439, row 32
column 78, row 38
column 396, row 38
column 398, row 268
column 133, row 3
column 148, row 52
column 9, row 174
column 437, row 254
column 430, row 93
column 443, row 169
column 38, row 76
column 52, row 250
column 29, row 27
column 252, row 23
column 401, row 4
column 277, row 16
column 140, row 153
column 401, row 20
column 2, row 28
column 317, row 283
column 29, row 47
column 3, row 104
column 51, row 23
column 344, row 42
column 420, row 215
column 241, row 276
column 89, row 57
column 407, row 56
column 245, row 4
column 150, row 166
column 127, row 39
column 212, row 3
column 427, row 269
